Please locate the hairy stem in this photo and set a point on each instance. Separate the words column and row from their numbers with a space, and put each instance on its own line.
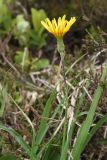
column 61, row 50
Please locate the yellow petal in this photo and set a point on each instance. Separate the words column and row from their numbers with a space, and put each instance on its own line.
column 55, row 26
column 54, row 23
column 69, row 24
column 45, row 25
column 49, row 24
column 59, row 21
column 60, row 27
column 72, row 20
column 63, row 18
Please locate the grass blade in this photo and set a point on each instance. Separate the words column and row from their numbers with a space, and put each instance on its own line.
column 3, row 97
column 44, row 122
column 17, row 137
column 47, row 146
column 94, row 129
column 70, row 134
column 82, row 136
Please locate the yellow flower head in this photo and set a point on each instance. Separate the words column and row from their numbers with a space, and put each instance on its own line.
column 60, row 27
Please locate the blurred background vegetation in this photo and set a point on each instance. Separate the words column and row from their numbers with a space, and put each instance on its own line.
column 27, row 52
column 18, row 18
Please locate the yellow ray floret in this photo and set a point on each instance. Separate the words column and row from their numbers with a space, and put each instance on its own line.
column 60, row 27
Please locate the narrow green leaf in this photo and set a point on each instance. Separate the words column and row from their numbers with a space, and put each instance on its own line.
column 65, row 148
column 3, row 98
column 44, row 121
column 69, row 139
column 94, row 129
column 17, row 137
column 58, row 109
column 84, row 130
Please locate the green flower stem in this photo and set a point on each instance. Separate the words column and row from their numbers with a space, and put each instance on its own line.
column 61, row 50
column 61, row 47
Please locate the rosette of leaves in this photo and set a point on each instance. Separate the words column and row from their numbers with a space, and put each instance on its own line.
column 25, row 62
column 21, row 30
column 5, row 17
column 37, row 35
column 22, row 59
